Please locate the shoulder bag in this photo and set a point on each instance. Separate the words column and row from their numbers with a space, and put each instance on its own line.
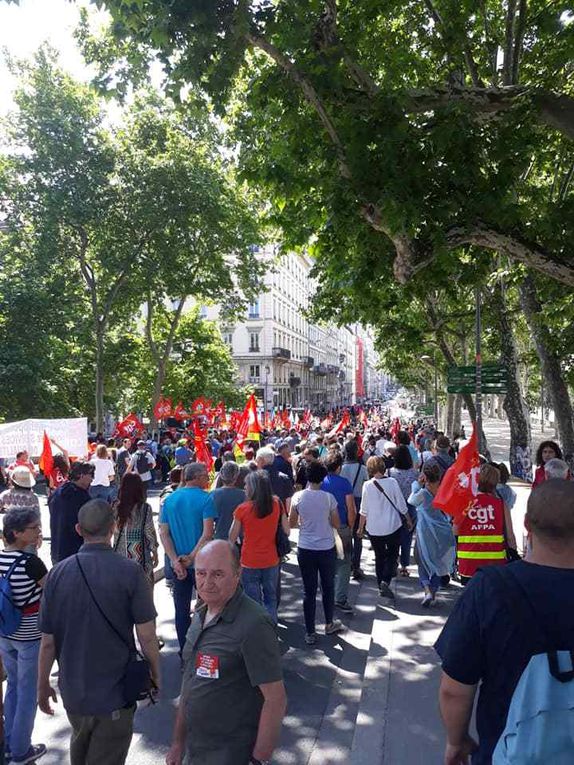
column 404, row 517
column 281, row 539
column 137, row 678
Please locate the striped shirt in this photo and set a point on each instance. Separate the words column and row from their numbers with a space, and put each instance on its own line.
column 25, row 590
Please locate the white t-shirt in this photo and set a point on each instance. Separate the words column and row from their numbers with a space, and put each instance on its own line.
column 104, row 469
column 134, row 464
column 315, row 508
column 382, row 518
column 352, row 471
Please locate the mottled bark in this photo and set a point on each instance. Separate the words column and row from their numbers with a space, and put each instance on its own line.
column 550, row 364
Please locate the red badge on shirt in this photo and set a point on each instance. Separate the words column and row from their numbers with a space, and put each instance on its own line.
column 207, row 666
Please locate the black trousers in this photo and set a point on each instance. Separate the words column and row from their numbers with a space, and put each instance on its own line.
column 386, row 549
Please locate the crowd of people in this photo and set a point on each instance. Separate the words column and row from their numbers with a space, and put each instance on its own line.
column 225, row 538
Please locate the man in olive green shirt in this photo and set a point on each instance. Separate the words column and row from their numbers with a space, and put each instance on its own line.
column 232, row 699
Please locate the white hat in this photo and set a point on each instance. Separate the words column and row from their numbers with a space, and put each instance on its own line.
column 22, row 476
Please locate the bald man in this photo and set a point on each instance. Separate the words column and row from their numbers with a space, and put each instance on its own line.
column 232, row 699
column 506, row 623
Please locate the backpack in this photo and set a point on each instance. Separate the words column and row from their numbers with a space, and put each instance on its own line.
column 10, row 613
column 539, row 727
column 142, row 464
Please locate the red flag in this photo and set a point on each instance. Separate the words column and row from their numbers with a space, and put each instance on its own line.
column 198, row 406
column 249, row 427
column 459, row 487
column 203, row 452
column 163, row 408
column 326, row 423
column 363, row 419
column 46, row 463
column 129, row 427
column 341, row 426
column 180, row 412
column 396, row 426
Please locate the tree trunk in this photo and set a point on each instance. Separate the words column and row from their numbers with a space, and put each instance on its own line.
column 99, row 374
column 514, row 404
column 157, row 392
column 457, row 411
column 550, row 364
column 449, row 414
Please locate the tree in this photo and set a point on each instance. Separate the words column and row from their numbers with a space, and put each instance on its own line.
column 399, row 112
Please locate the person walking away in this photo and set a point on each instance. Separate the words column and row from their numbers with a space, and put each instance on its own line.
column 435, row 544
column 64, row 505
column 183, row 454
column 342, row 490
column 174, row 483
column 226, row 499
column 356, row 473
column 315, row 513
column 403, row 439
column 548, row 450
column 20, row 494
column 135, row 536
column 123, row 458
column 104, row 475
column 485, row 532
column 555, row 469
column 440, row 455
column 142, row 463
column 404, row 474
column 232, row 698
column 186, row 523
column 382, row 506
column 257, row 520
column 60, row 469
column 92, row 602
column 23, row 460
column 510, row 637
column 25, row 573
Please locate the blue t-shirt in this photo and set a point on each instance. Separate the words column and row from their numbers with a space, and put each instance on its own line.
column 483, row 640
column 340, row 488
column 183, row 455
column 184, row 512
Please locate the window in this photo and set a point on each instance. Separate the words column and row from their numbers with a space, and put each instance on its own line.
column 203, row 312
column 254, row 373
column 254, row 342
column 254, row 312
column 227, row 335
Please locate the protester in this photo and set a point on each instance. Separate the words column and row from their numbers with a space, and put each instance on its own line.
column 435, row 544
column 227, row 499
column 92, row 602
column 441, row 455
column 135, row 537
column 142, row 463
column 123, row 458
column 64, row 505
column 231, row 719
column 281, row 484
column 20, row 494
column 356, row 473
column 556, row 468
column 186, row 524
column 403, row 439
column 23, row 460
column 342, row 490
column 174, row 483
column 404, row 474
column 183, row 454
column 485, row 532
column 19, row 650
column 503, row 490
column 506, row 616
column 282, row 461
column 309, row 455
column 315, row 512
column 382, row 506
column 547, row 450
column 257, row 520
column 104, row 475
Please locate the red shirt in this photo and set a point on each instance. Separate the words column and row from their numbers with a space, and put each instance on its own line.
column 259, row 548
column 539, row 476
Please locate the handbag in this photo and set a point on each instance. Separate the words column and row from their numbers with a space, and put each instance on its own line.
column 281, row 539
column 405, row 518
column 137, row 677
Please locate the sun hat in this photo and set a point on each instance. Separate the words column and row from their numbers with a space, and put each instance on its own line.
column 21, row 476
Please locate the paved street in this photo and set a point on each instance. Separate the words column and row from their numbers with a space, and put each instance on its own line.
column 366, row 696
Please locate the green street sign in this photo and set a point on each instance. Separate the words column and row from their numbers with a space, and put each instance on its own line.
column 493, row 379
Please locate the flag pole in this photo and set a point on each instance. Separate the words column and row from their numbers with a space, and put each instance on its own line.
column 478, row 389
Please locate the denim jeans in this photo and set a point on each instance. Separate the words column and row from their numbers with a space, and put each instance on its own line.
column 261, row 586
column 20, row 658
column 344, row 566
column 432, row 582
column 102, row 492
column 357, row 541
column 314, row 564
column 182, row 597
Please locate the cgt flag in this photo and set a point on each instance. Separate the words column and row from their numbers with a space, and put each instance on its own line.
column 162, row 409
column 129, row 427
column 459, row 486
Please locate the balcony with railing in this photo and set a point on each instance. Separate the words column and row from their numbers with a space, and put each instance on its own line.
column 308, row 362
column 294, row 381
column 320, row 369
column 281, row 354
column 332, row 369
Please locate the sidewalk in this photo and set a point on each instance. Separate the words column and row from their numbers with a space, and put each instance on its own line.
column 368, row 695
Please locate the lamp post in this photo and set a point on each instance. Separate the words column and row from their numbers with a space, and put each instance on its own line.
column 266, row 370
column 432, row 361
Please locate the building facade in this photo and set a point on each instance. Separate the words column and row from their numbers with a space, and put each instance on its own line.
column 290, row 361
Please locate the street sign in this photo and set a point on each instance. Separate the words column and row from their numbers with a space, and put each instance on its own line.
column 493, row 379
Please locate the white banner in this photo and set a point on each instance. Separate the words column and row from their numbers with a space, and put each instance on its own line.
column 26, row 435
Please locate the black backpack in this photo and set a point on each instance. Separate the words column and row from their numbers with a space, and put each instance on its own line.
column 142, row 465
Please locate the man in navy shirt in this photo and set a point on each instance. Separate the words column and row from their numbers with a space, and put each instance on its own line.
column 342, row 490
column 64, row 505
column 504, row 617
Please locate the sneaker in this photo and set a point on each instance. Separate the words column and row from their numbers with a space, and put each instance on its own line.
column 311, row 638
column 427, row 600
column 34, row 753
column 335, row 626
column 344, row 607
column 358, row 574
column 385, row 591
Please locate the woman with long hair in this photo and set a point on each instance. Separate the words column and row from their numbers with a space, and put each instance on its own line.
column 548, row 450
column 258, row 519
column 135, row 536
column 435, row 546
column 404, row 474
